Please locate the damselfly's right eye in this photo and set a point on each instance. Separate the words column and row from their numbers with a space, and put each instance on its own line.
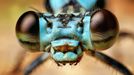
column 27, row 30
column 104, row 29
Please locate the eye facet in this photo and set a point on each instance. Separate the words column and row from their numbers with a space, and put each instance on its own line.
column 27, row 30
column 104, row 29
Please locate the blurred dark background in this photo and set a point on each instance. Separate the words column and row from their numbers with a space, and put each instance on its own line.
column 13, row 58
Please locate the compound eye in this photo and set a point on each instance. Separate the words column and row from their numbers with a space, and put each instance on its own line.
column 104, row 29
column 27, row 30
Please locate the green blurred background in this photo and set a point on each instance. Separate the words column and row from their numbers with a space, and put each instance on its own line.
column 13, row 58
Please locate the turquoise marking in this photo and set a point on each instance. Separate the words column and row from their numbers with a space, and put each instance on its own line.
column 86, row 37
column 42, row 26
column 45, row 38
column 57, row 4
column 58, row 56
column 69, row 56
column 61, row 42
column 87, row 4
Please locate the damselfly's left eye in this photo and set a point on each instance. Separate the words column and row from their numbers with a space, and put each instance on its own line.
column 104, row 29
column 27, row 30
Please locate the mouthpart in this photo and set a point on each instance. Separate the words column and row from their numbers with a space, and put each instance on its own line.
column 66, row 51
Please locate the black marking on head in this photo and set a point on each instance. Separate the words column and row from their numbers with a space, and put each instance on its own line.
column 64, row 18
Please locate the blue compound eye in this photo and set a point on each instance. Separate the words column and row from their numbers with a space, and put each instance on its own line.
column 27, row 30
column 104, row 29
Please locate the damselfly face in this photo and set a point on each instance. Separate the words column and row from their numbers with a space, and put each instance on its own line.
column 70, row 28
column 66, row 36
